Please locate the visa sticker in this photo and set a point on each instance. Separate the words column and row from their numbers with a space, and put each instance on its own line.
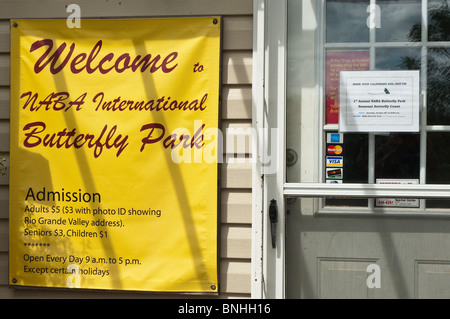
column 335, row 161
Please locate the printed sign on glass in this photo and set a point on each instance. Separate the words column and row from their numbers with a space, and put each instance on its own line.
column 379, row 101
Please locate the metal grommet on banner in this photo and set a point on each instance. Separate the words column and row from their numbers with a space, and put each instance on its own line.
column 215, row 21
column 15, row 24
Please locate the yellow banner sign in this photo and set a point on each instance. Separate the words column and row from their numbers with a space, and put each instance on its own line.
column 113, row 164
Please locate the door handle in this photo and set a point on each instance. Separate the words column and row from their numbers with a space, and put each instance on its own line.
column 273, row 216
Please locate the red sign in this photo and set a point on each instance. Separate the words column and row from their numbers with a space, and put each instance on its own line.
column 338, row 61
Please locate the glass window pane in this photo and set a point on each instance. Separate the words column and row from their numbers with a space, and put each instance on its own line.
column 301, row 101
column 347, row 21
column 400, row 20
column 438, row 20
column 355, row 158
column 438, row 155
column 397, row 59
column 355, row 152
column 397, row 156
column 438, row 164
column 438, row 87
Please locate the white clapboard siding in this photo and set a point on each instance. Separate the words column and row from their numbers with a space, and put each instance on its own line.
column 236, row 102
column 234, row 276
column 4, row 233
column 4, row 36
column 132, row 8
column 236, row 97
column 4, row 202
column 237, row 137
column 4, row 69
column 4, row 177
column 236, row 206
column 236, row 241
column 237, row 33
column 236, row 173
column 4, row 272
column 4, row 139
column 4, row 102
column 237, row 67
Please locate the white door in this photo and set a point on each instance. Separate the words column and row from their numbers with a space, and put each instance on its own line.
column 363, row 213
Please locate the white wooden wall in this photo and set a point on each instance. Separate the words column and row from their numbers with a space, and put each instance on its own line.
column 236, row 197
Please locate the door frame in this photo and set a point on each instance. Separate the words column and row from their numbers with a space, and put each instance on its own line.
column 268, row 104
column 268, row 154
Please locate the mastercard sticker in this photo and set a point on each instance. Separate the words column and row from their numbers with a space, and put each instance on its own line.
column 333, row 149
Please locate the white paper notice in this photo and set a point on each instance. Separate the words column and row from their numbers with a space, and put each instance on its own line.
column 379, row 101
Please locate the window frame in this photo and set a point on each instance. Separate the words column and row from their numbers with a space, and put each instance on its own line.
column 370, row 190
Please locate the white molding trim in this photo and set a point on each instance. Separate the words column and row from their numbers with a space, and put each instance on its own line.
column 268, row 105
column 257, row 142
column 274, row 141
column 367, row 190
